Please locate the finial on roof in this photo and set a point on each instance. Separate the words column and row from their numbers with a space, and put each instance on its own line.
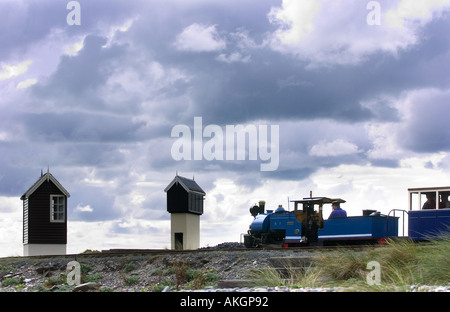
column 42, row 173
column 48, row 171
column 176, row 173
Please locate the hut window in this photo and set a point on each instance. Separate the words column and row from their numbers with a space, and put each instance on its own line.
column 57, row 208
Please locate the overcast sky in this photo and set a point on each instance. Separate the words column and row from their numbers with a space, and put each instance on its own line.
column 359, row 90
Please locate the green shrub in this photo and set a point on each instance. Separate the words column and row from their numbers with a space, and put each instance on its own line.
column 160, row 286
column 130, row 266
column 85, row 268
column 180, row 271
column 10, row 281
column 92, row 278
column 131, row 280
column 55, row 280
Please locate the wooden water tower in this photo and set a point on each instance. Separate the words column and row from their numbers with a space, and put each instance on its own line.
column 45, row 217
column 185, row 205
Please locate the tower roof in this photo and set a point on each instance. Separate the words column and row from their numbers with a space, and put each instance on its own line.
column 44, row 177
column 188, row 184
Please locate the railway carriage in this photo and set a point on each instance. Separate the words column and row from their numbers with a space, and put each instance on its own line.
column 428, row 213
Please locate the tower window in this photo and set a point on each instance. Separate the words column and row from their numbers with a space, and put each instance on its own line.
column 57, row 208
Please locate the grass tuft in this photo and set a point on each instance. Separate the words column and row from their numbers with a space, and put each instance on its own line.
column 402, row 263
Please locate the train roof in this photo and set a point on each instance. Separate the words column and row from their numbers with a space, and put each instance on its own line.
column 425, row 189
column 318, row 200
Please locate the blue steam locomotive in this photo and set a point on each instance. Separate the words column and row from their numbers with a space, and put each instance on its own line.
column 428, row 217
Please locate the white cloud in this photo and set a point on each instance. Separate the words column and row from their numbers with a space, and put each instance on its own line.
column 226, row 209
column 4, row 136
column 385, row 145
column 369, row 187
column 111, row 33
column 85, row 208
column 296, row 19
column 73, row 49
column 26, row 83
column 423, row 161
column 125, row 26
column 334, row 148
column 11, row 71
column 116, row 234
column 11, row 225
column 409, row 10
column 199, row 38
column 331, row 32
column 421, row 125
column 140, row 82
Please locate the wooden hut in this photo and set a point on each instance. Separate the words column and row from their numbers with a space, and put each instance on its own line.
column 45, row 217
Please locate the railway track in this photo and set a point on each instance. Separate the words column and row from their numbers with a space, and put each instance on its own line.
column 135, row 252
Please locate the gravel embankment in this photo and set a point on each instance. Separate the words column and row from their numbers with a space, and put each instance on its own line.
column 193, row 271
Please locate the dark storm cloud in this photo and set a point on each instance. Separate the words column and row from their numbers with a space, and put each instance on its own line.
column 29, row 22
column 273, row 86
column 22, row 164
column 88, row 154
column 256, row 95
column 26, row 22
column 429, row 128
column 387, row 163
column 78, row 78
column 294, row 174
column 14, row 180
column 284, row 89
column 268, row 86
column 80, row 127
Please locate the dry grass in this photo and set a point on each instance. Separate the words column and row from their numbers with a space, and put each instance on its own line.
column 402, row 263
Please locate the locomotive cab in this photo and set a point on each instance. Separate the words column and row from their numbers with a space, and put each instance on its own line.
column 311, row 217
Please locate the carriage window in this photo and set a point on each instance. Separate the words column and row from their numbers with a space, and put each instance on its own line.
column 428, row 200
column 414, row 201
column 444, row 200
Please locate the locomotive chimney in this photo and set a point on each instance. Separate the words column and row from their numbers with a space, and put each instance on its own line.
column 255, row 210
column 262, row 204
